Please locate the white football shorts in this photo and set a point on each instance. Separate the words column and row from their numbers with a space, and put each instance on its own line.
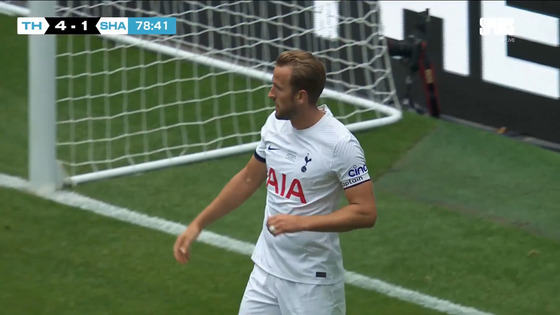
column 267, row 294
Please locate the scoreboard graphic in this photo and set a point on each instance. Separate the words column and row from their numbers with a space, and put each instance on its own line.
column 96, row 25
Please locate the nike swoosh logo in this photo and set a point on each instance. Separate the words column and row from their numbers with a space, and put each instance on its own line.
column 271, row 148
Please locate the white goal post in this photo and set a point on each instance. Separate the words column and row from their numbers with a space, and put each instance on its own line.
column 124, row 104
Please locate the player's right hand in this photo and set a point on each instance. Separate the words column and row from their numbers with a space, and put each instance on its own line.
column 182, row 247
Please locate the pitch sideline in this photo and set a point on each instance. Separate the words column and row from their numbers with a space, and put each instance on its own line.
column 85, row 203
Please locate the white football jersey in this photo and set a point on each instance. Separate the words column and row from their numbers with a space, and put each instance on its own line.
column 308, row 171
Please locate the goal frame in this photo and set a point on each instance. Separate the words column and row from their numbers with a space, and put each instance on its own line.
column 46, row 174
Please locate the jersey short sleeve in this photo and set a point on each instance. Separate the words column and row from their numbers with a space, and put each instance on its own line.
column 349, row 162
column 260, row 151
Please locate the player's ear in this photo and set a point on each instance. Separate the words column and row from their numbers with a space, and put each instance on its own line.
column 301, row 96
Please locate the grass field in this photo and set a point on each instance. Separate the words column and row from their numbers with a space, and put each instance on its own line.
column 464, row 215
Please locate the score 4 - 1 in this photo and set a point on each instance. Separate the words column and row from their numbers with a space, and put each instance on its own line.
column 72, row 25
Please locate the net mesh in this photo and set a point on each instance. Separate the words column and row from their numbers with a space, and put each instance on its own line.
column 127, row 102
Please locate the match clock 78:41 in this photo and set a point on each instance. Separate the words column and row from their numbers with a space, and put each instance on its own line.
column 152, row 25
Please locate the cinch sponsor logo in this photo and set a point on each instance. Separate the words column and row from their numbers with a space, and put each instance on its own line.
column 356, row 171
column 352, row 181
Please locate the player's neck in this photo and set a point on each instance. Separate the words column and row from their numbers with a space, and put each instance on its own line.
column 307, row 118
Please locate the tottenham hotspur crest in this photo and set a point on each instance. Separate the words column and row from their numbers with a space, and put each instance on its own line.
column 307, row 160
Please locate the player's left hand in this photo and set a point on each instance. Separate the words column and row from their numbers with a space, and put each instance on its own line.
column 284, row 223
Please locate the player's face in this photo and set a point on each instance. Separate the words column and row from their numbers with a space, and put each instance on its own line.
column 281, row 93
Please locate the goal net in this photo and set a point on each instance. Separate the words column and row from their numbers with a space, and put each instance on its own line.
column 132, row 103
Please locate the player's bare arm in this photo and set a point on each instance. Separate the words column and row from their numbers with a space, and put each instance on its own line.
column 237, row 190
column 360, row 212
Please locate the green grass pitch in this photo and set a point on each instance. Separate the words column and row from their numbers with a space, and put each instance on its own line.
column 464, row 216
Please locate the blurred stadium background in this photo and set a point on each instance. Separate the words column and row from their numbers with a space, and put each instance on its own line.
column 466, row 215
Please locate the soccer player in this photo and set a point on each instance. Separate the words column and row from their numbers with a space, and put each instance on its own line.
column 308, row 160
